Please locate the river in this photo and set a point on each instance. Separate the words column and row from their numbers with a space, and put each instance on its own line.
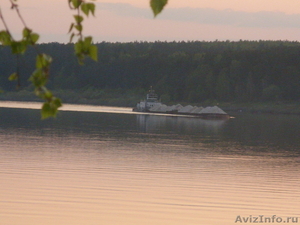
column 97, row 165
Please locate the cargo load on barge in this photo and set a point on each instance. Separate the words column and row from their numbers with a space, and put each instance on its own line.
column 152, row 105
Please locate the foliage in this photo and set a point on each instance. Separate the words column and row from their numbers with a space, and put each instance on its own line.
column 192, row 72
column 83, row 47
column 244, row 71
column 40, row 76
column 157, row 6
column 271, row 93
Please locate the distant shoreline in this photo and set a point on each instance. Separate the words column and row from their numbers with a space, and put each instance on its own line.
column 283, row 108
column 276, row 108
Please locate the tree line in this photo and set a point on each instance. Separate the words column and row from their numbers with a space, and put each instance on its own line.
column 197, row 71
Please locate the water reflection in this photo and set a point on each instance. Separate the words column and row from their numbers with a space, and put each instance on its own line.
column 102, row 168
column 149, row 123
column 264, row 132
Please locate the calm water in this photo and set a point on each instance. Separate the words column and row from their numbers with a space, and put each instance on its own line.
column 108, row 166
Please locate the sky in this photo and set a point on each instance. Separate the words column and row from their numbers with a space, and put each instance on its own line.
column 190, row 20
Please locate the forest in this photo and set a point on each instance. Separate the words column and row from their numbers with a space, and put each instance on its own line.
column 191, row 72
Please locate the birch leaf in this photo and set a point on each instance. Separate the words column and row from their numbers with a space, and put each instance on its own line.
column 157, row 6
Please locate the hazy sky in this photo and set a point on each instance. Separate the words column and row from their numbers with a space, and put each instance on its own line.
column 132, row 20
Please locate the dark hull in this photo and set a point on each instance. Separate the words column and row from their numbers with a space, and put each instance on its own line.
column 209, row 116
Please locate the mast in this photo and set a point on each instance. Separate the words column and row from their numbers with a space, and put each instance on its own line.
column 151, row 97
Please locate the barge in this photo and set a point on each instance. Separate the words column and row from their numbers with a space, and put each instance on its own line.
column 152, row 105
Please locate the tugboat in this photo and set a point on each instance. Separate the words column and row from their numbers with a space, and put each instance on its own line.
column 150, row 101
column 152, row 105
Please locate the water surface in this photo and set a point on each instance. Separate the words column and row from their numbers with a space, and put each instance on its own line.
column 116, row 167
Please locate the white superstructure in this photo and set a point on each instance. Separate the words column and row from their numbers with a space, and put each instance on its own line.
column 150, row 102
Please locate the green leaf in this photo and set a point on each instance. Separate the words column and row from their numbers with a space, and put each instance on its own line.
column 92, row 8
column 76, row 3
column 18, row 47
column 26, row 32
column 78, row 27
column 71, row 27
column 29, row 37
column 79, row 51
column 78, row 19
column 43, row 61
column 48, row 95
column 87, row 8
column 78, row 47
column 93, row 52
column 39, row 62
column 87, row 42
column 34, row 38
column 57, row 102
column 86, row 48
column 38, row 92
column 48, row 110
column 157, row 6
column 38, row 78
column 13, row 76
column 5, row 38
column 71, row 37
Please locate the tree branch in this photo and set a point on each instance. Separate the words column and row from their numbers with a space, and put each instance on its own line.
column 14, row 6
column 4, row 23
